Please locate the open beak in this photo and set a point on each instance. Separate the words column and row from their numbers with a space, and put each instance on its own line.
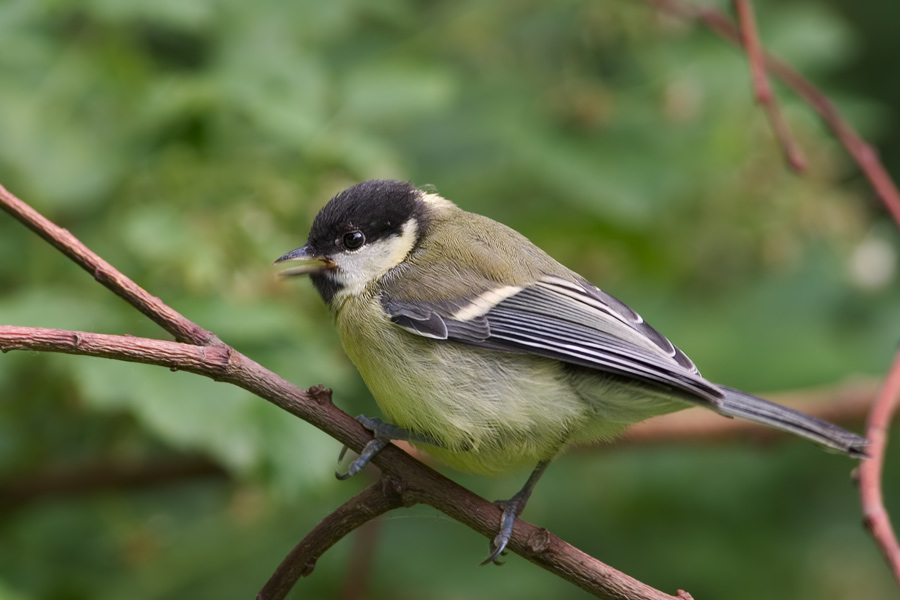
column 309, row 262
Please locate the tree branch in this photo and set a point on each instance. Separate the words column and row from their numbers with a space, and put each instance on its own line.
column 380, row 497
column 151, row 306
column 875, row 515
column 861, row 152
column 762, row 90
column 419, row 483
column 216, row 360
column 866, row 158
column 203, row 353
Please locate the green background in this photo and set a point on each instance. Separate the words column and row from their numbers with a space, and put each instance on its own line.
column 192, row 143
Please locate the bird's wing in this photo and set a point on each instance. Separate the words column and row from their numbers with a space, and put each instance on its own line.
column 573, row 322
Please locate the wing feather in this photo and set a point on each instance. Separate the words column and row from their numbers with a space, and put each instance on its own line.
column 575, row 323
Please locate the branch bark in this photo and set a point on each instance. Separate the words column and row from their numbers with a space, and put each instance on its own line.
column 762, row 90
column 199, row 351
column 866, row 158
column 204, row 354
column 861, row 152
column 875, row 516
column 152, row 307
column 380, row 497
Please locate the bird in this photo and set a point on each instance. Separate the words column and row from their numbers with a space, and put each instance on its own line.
column 488, row 354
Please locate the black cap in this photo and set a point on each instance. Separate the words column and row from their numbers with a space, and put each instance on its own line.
column 378, row 208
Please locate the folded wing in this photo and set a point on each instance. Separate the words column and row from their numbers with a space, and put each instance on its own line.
column 573, row 322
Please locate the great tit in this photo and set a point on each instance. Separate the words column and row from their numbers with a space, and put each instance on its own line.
column 488, row 354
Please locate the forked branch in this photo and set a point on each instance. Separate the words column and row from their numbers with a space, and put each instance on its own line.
column 861, row 152
column 408, row 481
column 867, row 159
column 761, row 87
column 206, row 355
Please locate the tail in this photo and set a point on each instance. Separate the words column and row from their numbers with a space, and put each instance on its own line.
column 738, row 404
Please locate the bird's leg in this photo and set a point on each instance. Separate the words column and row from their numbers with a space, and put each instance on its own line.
column 512, row 508
column 383, row 434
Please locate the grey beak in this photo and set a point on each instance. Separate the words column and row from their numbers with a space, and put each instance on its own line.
column 311, row 262
column 304, row 253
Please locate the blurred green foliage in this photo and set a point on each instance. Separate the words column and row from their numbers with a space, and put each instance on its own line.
column 191, row 143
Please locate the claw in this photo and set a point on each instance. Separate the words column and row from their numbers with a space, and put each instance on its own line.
column 373, row 447
column 499, row 549
column 512, row 508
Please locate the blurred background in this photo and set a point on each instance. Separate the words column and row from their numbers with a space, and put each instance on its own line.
column 192, row 143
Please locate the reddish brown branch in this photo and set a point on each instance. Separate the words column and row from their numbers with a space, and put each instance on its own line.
column 762, row 90
column 861, row 152
column 875, row 515
column 211, row 358
column 209, row 361
column 164, row 316
column 415, row 482
column 221, row 363
column 419, row 483
column 377, row 499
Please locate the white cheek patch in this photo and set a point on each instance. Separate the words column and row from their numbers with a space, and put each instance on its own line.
column 355, row 270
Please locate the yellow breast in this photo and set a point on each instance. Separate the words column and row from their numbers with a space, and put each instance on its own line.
column 492, row 412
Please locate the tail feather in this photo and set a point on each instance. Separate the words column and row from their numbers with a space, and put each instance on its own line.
column 739, row 404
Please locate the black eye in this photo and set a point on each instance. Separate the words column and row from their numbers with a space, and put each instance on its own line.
column 353, row 240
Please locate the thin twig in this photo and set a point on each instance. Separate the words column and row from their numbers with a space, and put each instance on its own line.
column 762, row 90
column 420, row 484
column 867, row 159
column 875, row 515
column 169, row 319
column 861, row 152
column 377, row 499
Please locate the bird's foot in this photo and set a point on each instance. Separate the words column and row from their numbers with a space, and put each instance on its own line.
column 511, row 508
column 383, row 434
